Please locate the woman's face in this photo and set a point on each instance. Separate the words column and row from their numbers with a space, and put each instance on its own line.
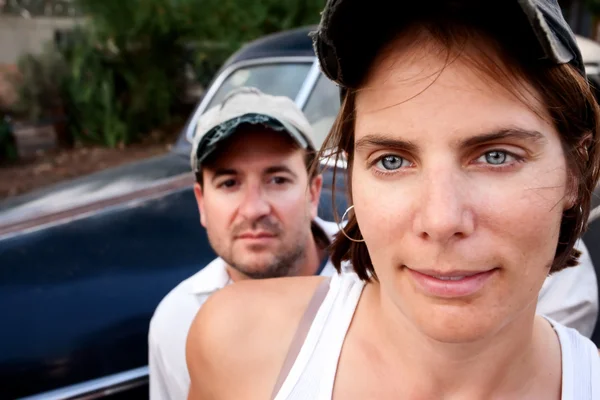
column 458, row 190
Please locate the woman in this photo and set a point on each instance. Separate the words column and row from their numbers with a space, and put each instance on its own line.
column 471, row 134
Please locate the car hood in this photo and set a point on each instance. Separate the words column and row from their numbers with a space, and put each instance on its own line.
column 94, row 188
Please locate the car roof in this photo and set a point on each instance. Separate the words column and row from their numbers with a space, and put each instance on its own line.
column 290, row 43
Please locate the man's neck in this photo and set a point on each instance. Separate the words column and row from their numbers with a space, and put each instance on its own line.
column 311, row 262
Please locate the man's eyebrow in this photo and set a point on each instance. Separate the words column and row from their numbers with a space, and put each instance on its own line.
column 383, row 140
column 504, row 134
column 278, row 169
column 223, row 171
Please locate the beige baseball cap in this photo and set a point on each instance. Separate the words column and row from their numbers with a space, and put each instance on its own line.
column 248, row 105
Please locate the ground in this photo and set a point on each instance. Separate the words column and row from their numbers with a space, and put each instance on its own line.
column 51, row 167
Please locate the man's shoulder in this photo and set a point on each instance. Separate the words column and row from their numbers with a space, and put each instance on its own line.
column 247, row 324
column 182, row 302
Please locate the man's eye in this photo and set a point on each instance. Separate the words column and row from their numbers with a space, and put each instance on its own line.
column 279, row 180
column 229, row 183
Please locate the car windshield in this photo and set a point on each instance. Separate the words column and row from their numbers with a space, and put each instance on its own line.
column 276, row 79
column 279, row 79
column 322, row 107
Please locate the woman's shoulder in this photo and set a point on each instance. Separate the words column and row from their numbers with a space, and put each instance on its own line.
column 246, row 324
column 251, row 299
column 571, row 340
column 580, row 362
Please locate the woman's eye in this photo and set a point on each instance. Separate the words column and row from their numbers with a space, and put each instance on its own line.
column 496, row 157
column 391, row 163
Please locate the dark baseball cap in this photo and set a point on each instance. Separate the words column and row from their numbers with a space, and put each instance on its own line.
column 243, row 106
column 351, row 32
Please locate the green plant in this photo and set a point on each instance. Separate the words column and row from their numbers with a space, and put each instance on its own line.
column 126, row 68
column 92, row 105
column 38, row 84
column 223, row 26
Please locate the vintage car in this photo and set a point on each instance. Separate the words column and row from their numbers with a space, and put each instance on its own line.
column 84, row 263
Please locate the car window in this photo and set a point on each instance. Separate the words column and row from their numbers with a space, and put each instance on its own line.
column 322, row 107
column 276, row 79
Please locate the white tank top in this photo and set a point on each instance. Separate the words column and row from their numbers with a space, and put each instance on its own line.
column 309, row 372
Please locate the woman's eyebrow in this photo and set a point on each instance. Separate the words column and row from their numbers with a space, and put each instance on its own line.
column 504, row 134
column 388, row 141
column 382, row 140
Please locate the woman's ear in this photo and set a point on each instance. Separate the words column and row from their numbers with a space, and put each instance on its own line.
column 571, row 197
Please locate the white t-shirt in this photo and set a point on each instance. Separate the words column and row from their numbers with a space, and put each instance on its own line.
column 569, row 297
column 169, row 377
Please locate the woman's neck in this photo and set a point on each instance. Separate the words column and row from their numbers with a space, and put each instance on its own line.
column 502, row 363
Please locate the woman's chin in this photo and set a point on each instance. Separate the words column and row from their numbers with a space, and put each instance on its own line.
column 458, row 324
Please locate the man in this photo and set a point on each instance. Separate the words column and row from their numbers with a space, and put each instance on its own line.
column 258, row 201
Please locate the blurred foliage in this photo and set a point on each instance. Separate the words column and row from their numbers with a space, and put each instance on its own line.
column 126, row 70
column 92, row 105
column 38, row 84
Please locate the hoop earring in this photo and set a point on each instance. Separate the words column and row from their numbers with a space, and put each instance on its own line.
column 342, row 229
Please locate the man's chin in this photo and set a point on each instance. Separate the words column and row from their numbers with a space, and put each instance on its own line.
column 256, row 267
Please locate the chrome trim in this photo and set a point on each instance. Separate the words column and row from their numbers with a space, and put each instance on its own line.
column 309, row 84
column 189, row 135
column 594, row 215
column 592, row 69
column 108, row 209
column 97, row 388
column 333, row 161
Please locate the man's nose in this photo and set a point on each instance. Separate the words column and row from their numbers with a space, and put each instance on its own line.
column 443, row 211
column 254, row 204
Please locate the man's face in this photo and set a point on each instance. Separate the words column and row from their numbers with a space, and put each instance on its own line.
column 257, row 203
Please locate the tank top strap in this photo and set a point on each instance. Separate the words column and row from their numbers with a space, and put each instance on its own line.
column 580, row 364
column 303, row 327
column 310, row 365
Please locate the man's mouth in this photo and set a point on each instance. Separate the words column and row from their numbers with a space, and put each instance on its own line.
column 256, row 235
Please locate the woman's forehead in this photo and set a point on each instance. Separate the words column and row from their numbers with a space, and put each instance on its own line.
column 419, row 90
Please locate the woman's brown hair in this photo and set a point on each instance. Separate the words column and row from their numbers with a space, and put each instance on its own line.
column 563, row 92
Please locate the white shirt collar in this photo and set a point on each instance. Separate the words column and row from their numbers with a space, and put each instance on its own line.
column 210, row 279
column 214, row 276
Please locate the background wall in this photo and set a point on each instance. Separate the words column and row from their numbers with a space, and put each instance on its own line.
column 20, row 35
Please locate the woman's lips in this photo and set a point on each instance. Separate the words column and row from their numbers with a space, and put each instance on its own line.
column 451, row 284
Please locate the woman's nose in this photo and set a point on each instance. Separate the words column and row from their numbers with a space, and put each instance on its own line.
column 443, row 211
